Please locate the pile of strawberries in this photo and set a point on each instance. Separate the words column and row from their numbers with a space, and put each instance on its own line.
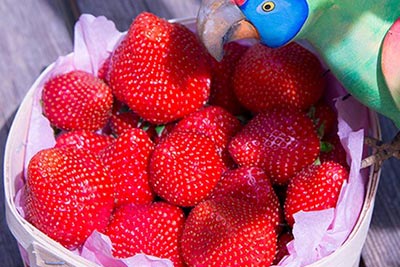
column 173, row 154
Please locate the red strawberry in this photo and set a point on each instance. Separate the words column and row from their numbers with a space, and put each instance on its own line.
column 333, row 151
column 158, row 132
column 222, row 92
column 68, row 194
column 216, row 123
column 104, row 69
column 122, row 121
column 230, row 232
column 316, row 187
column 250, row 184
column 153, row 229
column 281, row 250
column 77, row 100
column 184, row 168
column 289, row 76
column 119, row 106
column 247, row 183
column 280, row 141
column 127, row 160
column 160, row 70
column 325, row 118
column 92, row 141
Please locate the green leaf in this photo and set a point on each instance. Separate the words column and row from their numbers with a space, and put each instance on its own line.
column 321, row 130
column 311, row 112
column 159, row 129
column 326, row 147
column 317, row 162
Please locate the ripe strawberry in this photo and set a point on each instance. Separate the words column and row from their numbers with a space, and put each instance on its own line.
column 289, row 76
column 184, row 168
column 222, row 92
column 316, row 187
column 158, row 132
column 280, row 141
column 77, row 100
column 127, row 160
column 122, row 121
column 334, row 151
column 325, row 119
column 228, row 232
column 247, row 183
column 281, row 250
column 84, row 139
column 68, row 194
column 216, row 123
column 153, row 229
column 250, row 184
column 160, row 70
column 104, row 69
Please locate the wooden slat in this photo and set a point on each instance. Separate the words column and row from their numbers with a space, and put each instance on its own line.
column 124, row 12
column 382, row 246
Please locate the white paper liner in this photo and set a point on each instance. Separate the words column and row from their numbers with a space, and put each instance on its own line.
column 317, row 234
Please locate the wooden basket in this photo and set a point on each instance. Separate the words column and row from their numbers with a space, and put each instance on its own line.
column 40, row 250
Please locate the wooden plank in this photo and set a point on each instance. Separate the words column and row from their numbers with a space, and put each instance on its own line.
column 124, row 12
column 382, row 246
column 34, row 34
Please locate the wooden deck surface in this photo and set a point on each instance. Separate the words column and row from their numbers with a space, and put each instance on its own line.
column 35, row 32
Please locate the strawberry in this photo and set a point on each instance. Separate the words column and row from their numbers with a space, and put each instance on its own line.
column 184, row 168
column 104, row 69
column 228, row 232
column 77, row 100
column 84, row 139
column 281, row 250
column 216, row 123
column 222, row 92
column 316, row 187
column 153, row 229
column 127, row 160
column 122, row 121
column 324, row 117
column 280, row 141
column 160, row 70
column 250, row 184
column 333, row 151
column 289, row 76
column 68, row 194
column 158, row 132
